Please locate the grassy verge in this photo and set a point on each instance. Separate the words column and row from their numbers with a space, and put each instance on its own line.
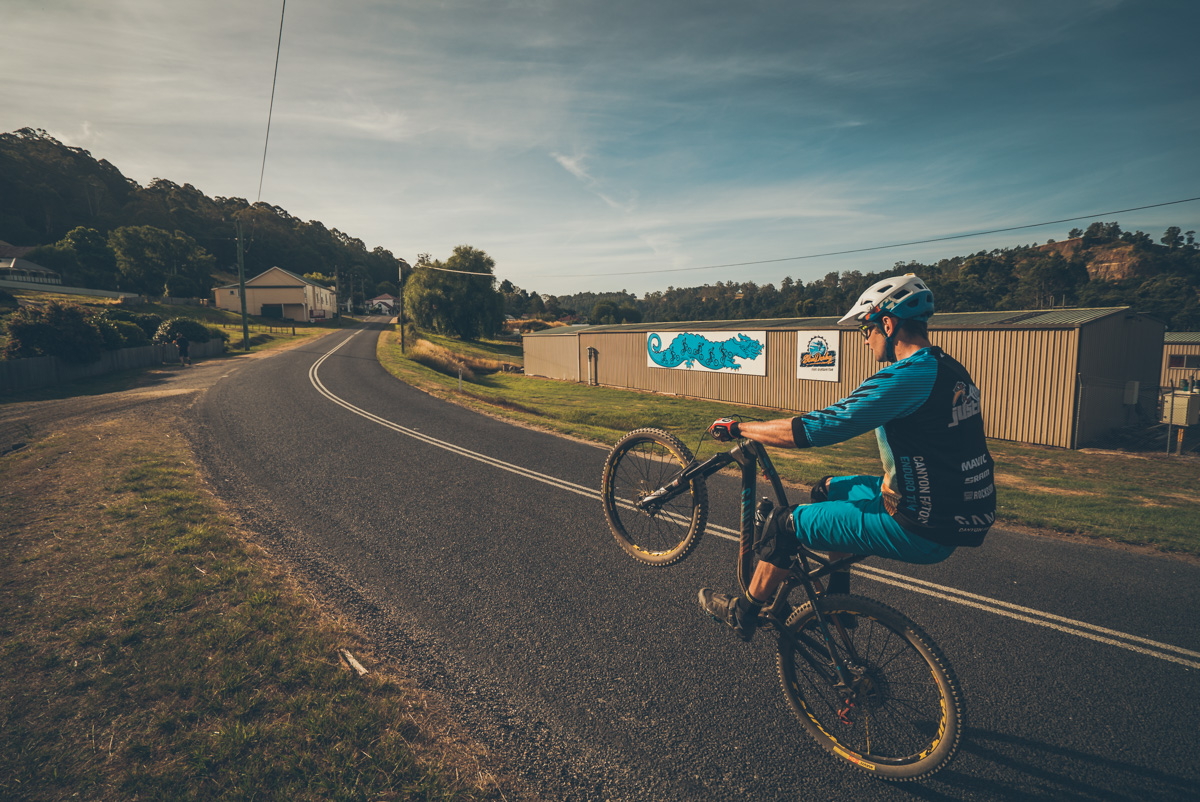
column 1123, row 498
column 148, row 653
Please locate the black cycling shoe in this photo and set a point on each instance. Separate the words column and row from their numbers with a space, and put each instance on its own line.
column 734, row 612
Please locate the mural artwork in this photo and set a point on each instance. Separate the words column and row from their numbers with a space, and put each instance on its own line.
column 715, row 351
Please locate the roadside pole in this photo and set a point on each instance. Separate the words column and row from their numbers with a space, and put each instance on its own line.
column 242, row 286
column 400, row 267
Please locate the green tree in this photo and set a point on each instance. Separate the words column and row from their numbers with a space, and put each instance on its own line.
column 1172, row 237
column 153, row 261
column 456, row 297
column 98, row 265
column 603, row 313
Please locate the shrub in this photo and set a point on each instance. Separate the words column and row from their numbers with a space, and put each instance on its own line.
column 533, row 325
column 147, row 322
column 170, row 329
column 217, row 333
column 109, row 332
column 7, row 300
column 63, row 330
column 132, row 335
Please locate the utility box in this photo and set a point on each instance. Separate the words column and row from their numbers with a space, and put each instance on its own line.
column 1181, row 409
column 1132, row 388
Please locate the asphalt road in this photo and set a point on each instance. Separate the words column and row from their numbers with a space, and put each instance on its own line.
column 493, row 575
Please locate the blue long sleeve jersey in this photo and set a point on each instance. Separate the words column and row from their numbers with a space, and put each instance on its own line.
column 927, row 417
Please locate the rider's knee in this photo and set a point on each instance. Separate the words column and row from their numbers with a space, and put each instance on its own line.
column 777, row 542
column 820, row 491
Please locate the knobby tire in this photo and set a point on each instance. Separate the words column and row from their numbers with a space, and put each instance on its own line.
column 640, row 463
column 908, row 716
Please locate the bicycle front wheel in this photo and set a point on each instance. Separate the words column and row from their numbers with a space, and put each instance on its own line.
column 901, row 717
column 642, row 462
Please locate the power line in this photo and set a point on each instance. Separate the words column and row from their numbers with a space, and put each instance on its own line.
column 877, row 247
column 420, row 266
column 271, row 109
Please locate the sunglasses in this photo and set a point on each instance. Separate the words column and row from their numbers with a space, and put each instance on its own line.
column 866, row 329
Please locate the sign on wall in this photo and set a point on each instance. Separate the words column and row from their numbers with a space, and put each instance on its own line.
column 713, row 351
column 817, row 355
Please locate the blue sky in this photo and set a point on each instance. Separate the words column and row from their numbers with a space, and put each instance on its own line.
column 622, row 145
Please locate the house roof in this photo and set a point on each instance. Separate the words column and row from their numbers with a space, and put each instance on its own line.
column 300, row 279
column 8, row 251
column 1032, row 319
column 1182, row 338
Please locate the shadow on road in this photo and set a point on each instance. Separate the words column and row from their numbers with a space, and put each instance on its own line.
column 1037, row 770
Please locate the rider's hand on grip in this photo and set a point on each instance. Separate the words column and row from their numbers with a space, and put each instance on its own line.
column 724, row 430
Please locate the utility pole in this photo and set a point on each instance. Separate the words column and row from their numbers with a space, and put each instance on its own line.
column 242, row 286
column 337, row 292
column 402, row 264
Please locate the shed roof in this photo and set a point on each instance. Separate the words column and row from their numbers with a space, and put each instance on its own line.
column 301, row 279
column 1182, row 338
column 1031, row 319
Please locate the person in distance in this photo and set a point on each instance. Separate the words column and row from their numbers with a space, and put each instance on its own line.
column 937, row 491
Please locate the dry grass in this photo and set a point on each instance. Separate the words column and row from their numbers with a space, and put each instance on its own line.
column 149, row 652
column 449, row 362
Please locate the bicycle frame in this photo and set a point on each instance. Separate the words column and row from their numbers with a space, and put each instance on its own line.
column 749, row 455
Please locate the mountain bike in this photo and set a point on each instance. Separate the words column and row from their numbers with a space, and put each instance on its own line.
column 866, row 682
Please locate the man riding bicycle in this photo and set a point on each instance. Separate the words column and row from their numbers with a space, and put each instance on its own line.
column 937, row 492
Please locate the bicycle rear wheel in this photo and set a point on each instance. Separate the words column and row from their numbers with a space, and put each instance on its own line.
column 642, row 462
column 902, row 717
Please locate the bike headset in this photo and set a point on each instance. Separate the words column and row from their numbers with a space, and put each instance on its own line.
column 903, row 297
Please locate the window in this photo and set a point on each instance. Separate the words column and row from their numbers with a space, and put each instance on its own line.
column 1184, row 361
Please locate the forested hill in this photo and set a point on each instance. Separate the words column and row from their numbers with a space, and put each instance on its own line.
column 1099, row 266
column 77, row 208
column 48, row 190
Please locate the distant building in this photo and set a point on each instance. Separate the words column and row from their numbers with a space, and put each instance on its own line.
column 1181, row 358
column 1058, row 377
column 276, row 293
column 14, row 268
column 385, row 303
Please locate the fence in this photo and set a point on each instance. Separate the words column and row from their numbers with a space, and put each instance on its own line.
column 290, row 328
column 19, row 375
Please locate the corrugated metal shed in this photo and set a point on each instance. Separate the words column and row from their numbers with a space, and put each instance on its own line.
column 1056, row 377
column 1180, row 358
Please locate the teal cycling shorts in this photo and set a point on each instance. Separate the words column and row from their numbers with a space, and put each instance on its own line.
column 854, row 521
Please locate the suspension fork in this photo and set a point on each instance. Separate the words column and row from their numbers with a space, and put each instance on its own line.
column 680, row 482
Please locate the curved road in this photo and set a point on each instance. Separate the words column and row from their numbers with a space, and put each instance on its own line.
column 476, row 553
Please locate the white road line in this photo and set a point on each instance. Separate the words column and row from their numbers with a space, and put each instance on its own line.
column 1082, row 629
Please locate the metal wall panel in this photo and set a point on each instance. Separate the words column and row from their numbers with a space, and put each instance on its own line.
column 1058, row 386
column 1026, row 376
column 1113, row 352
column 553, row 357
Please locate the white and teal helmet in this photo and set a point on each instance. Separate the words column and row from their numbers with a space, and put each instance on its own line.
column 904, row 297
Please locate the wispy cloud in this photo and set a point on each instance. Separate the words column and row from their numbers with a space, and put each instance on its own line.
column 574, row 166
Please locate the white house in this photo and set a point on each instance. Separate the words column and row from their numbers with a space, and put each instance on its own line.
column 383, row 303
